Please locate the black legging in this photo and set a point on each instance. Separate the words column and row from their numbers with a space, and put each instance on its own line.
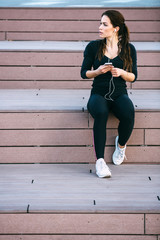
column 99, row 108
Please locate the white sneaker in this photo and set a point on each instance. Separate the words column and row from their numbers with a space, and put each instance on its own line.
column 102, row 170
column 119, row 153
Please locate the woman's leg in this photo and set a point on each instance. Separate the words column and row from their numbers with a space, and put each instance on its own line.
column 123, row 109
column 98, row 108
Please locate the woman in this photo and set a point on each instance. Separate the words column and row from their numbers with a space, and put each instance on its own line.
column 112, row 62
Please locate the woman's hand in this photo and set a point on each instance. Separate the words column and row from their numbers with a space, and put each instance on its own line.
column 127, row 76
column 116, row 72
column 103, row 69
column 100, row 70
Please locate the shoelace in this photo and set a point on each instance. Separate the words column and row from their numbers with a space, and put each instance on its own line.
column 121, row 154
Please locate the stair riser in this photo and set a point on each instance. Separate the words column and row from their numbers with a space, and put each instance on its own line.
column 145, row 28
column 141, row 154
column 80, row 224
column 68, row 137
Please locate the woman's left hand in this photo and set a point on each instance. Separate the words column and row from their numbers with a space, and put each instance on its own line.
column 127, row 76
column 116, row 72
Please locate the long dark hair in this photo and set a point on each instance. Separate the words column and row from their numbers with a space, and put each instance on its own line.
column 117, row 19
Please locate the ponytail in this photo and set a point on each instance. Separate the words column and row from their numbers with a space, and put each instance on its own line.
column 123, row 47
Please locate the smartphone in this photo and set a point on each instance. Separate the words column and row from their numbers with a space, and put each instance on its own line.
column 108, row 63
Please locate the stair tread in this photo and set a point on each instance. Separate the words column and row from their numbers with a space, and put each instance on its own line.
column 66, row 45
column 59, row 99
column 76, row 188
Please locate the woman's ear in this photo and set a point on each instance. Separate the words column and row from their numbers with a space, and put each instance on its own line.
column 116, row 29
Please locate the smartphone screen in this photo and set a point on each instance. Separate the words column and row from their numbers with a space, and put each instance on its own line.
column 108, row 63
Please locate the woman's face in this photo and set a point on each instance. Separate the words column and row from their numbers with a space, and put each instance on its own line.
column 106, row 29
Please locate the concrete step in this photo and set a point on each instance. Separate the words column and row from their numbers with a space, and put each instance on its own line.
column 37, row 65
column 70, row 200
column 54, row 126
column 65, row 191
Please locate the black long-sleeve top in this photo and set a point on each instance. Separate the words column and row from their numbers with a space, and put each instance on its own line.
column 101, row 83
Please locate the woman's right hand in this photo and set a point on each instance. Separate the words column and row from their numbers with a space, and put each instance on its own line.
column 103, row 69
column 100, row 70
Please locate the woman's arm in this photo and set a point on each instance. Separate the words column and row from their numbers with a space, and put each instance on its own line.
column 101, row 70
column 89, row 57
column 88, row 60
column 128, row 76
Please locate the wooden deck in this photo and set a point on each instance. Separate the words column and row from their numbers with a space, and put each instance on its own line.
column 75, row 188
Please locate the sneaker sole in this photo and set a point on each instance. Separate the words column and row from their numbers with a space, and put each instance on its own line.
column 103, row 176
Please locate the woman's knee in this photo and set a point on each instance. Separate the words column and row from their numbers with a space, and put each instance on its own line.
column 124, row 109
column 128, row 117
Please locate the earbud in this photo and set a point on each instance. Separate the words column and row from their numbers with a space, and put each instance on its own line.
column 115, row 30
